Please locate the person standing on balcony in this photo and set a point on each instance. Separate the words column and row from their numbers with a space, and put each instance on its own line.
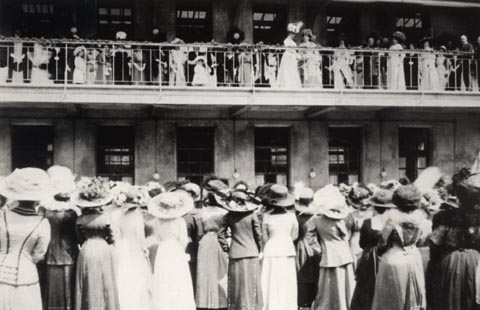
column 288, row 74
column 444, row 67
column 410, row 65
column 245, row 66
column 370, row 64
column 18, row 59
column 395, row 70
column 310, row 61
column 476, row 69
column 79, row 72
column 428, row 74
column 201, row 72
column 178, row 59
column 92, row 65
column 121, row 60
column 466, row 55
column 39, row 59
column 138, row 66
column 342, row 60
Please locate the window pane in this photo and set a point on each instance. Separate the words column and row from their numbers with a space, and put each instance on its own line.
column 271, row 154
column 32, row 146
column 115, row 152
column 195, row 152
column 414, row 150
column 344, row 154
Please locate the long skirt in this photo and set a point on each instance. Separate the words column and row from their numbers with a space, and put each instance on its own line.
column 26, row 297
column 59, row 287
column 172, row 284
column 211, row 284
column 244, row 284
column 96, row 286
column 366, row 274
column 457, row 287
column 400, row 283
column 279, row 283
column 288, row 74
column 134, row 277
column 335, row 288
column 307, row 273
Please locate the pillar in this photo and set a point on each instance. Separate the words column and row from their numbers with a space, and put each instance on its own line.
column 389, row 149
column 221, row 21
column 300, row 161
column 319, row 150
column 166, row 150
column 164, row 17
column 223, row 162
column 243, row 18
column 5, row 147
column 64, row 143
column 143, row 20
column 84, row 161
column 320, row 26
column 145, row 136
column 245, row 151
column 467, row 133
column 443, row 142
column 371, row 163
column 297, row 10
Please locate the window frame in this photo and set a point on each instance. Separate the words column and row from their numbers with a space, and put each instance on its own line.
column 277, row 30
column 35, row 135
column 115, row 23
column 185, row 30
column 412, row 169
column 352, row 146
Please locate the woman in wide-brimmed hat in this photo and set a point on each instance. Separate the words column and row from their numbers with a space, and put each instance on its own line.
column 172, row 283
column 428, row 68
column 134, row 276
column 455, row 245
column 24, row 236
column 80, row 70
column 370, row 234
column 280, row 229
column 400, row 282
column 329, row 236
column 211, row 274
column 96, row 278
column 395, row 69
column 244, row 271
column 288, row 74
column 63, row 251
column 306, row 260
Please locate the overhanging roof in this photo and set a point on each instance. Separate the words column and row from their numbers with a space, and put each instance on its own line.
column 441, row 3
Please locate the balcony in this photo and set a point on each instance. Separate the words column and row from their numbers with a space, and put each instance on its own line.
column 141, row 73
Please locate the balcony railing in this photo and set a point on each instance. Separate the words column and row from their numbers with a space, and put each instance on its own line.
column 127, row 64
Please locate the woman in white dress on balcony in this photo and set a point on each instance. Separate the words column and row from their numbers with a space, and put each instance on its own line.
column 280, row 229
column 429, row 75
column 395, row 69
column 310, row 61
column 79, row 73
column 343, row 59
column 178, row 60
column 443, row 68
column 39, row 59
column 288, row 74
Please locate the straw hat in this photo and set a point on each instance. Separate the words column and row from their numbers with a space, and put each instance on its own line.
column 240, row 202
column 170, row 205
column 78, row 49
column 92, row 193
column 407, row 198
column 63, row 180
column 399, row 36
column 193, row 189
column 136, row 196
column 30, row 184
column 278, row 196
column 382, row 199
column 357, row 196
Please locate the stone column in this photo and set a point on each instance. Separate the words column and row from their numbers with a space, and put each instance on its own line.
column 389, row 149
column 85, row 148
column 221, row 20
column 245, row 151
column 164, row 17
column 243, row 18
column 319, row 151
column 299, row 153
column 297, row 11
column 6, row 147
column 443, row 147
column 143, row 19
column 166, row 150
column 145, row 136
column 320, row 26
column 64, row 143
column 223, row 146
column 370, row 162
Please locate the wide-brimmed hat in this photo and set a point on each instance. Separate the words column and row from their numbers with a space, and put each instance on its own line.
column 399, row 36
column 382, row 199
column 358, row 196
column 136, row 197
column 330, row 202
column 193, row 189
column 307, row 32
column 295, row 27
column 171, row 205
column 240, row 201
column 63, row 180
column 78, row 49
column 468, row 191
column 305, row 198
column 92, row 193
column 278, row 196
column 29, row 184
column 407, row 197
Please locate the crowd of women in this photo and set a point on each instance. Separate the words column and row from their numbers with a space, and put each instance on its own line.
column 382, row 63
column 91, row 244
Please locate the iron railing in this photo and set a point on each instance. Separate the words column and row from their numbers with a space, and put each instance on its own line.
column 122, row 64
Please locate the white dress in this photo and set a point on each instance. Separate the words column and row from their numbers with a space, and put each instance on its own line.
column 201, row 76
column 429, row 75
column 134, row 276
column 173, row 289
column 342, row 73
column 311, row 62
column 178, row 59
column 39, row 60
column 288, row 74
column 395, row 70
column 442, row 71
column 79, row 74
column 279, row 274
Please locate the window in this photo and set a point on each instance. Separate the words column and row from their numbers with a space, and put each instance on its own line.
column 271, row 155
column 114, row 19
column 193, row 23
column 414, row 151
column 32, row 146
column 195, row 153
column 413, row 25
column 269, row 24
column 344, row 152
column 342, row 21
column 38, row 19
column 115, row 153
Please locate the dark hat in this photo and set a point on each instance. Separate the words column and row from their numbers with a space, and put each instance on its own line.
column 240, row 201
column 382, row 199
column 278, row 196
column 407, row 198
column 357, row 195
column 399, row 35
column 307, row 32
column 468, row 191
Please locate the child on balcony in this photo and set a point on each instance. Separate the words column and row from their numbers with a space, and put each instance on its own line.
column 79, row 73
column 201, row 75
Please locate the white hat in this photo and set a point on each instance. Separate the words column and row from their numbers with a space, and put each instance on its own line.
column 63, row 180
column 31, row 184
column 295, row 27
column 78, row 49
column 92, row 193
column 170, row 205
column 331, row 202
column 121, row 35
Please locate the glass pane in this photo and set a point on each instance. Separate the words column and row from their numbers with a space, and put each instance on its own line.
column 102, row 11
column 116, row 12
column 127, row 12
column 422, row 162
column 257, row 16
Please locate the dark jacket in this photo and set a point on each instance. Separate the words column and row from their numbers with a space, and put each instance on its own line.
column 246, row 230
